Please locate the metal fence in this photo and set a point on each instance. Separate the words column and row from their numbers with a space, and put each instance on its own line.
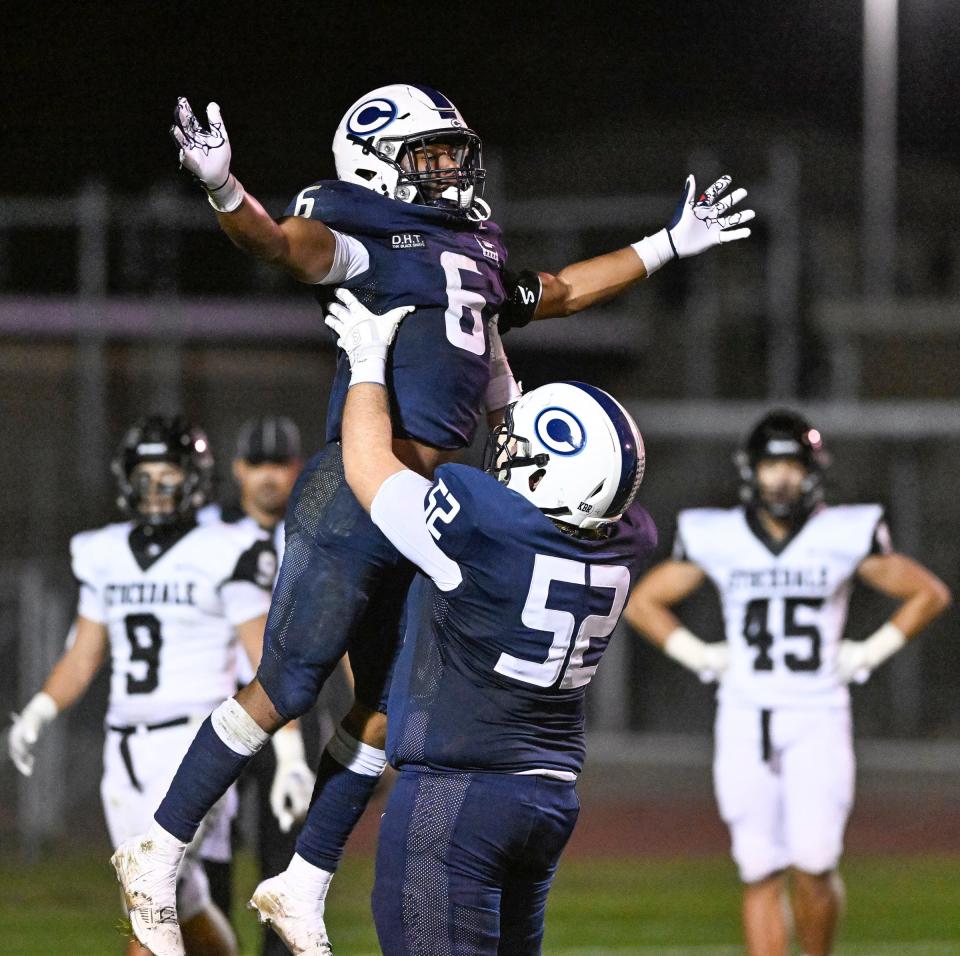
column 113, row 306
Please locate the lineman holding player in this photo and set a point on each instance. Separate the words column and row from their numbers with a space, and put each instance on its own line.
column 405, row 224
column 526, row 569
column 784, row 564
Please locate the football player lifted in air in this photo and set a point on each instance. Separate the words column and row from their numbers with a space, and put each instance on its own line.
column 784, row 564
column 166, row 601
column 404, row 224
column 526, row 569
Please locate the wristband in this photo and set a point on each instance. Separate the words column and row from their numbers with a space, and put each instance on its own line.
column 655, row 251
column 685, row 648
column 370, row 369
column 226, row 198
column 40, row 711
column 882, row 644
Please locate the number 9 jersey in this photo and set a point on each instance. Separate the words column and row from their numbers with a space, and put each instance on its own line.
column 784, row 604
column 170, row 602
column 391, row 253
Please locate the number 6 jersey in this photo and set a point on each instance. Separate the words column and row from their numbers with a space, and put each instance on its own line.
column 170, row 599
column 784, row 604
column 451, row 269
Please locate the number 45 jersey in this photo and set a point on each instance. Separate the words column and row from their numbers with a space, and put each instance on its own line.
column 784, row 606
column 501, row 643
column 170, row 601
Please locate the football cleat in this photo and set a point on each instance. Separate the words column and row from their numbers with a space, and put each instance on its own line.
column 148, row 878
column 298, row 922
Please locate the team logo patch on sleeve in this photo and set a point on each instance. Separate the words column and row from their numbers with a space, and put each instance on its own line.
column 488, row 249
column 407, row 240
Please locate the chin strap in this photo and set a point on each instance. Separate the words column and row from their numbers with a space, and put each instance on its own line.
column 479, row 210
column 538, row 461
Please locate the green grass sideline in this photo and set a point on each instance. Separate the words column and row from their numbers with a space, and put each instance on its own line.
column 897, row 906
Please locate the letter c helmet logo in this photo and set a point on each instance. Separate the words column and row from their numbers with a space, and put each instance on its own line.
column 371, row 117
column 560, row 431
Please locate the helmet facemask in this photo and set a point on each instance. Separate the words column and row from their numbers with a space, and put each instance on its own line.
column 505, row 451
column 420, row 176
column 156, row 501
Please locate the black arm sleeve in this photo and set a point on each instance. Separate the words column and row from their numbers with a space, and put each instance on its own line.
column 524, row 290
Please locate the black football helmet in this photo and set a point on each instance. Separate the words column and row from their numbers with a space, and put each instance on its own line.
column 783, row 433
column 172, row 440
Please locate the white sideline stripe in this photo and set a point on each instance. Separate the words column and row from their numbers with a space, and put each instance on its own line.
column 919, row 948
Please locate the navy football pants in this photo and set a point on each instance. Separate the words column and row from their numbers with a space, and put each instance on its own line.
column 465, row 862
column 341, row 588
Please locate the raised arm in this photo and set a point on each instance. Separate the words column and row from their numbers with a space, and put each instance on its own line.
column 648, row 611
column 368, row 458
column 699, row 222
column 367, row 431
column 67, row 682
column 304, row 248
column 393, row 494
column 923, row 596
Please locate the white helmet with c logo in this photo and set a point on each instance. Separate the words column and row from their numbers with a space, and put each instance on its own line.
column 381, row 134
column 572, row 450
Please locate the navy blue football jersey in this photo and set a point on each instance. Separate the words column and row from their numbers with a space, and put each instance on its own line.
column 492, row 673
column 451, row 270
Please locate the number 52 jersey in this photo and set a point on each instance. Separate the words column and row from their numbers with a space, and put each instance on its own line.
column 785, row 606
column 501, row 644
column 170, row 601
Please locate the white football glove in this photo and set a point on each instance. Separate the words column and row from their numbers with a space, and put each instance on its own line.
column 205, row 152
column 363, row 335
column 697, row 224
column 856, row 660
column 707, row 660
column 26, row 730
column 293, row 780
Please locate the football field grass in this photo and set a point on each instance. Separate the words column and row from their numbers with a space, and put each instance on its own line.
column 897, row 906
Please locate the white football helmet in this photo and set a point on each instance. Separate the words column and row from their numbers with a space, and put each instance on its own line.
column 570, row 449
column 383, row 143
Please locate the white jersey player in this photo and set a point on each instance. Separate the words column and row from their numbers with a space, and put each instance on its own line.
column 168, row 602
column 784, row 565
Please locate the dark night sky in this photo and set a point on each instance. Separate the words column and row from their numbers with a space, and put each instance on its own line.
column 90, row 93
